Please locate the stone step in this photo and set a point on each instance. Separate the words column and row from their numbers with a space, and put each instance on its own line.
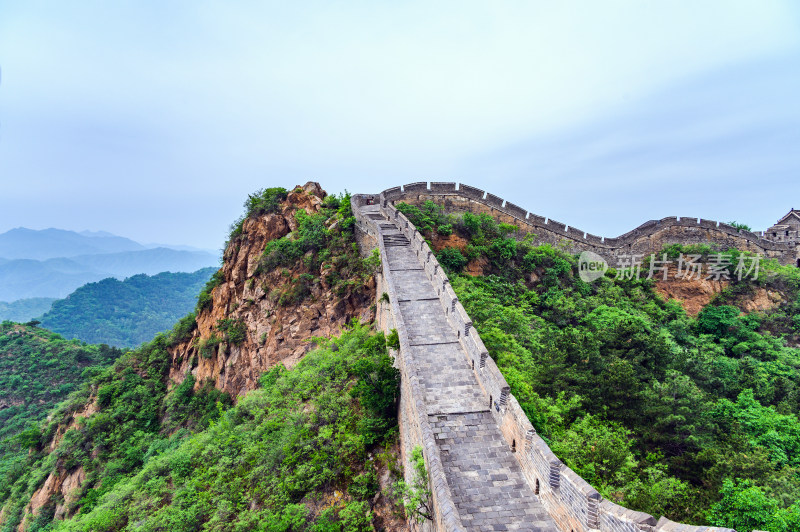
column 395, row 240
column 485, row 478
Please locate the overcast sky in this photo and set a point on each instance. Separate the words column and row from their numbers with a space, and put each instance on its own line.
column 154, row 120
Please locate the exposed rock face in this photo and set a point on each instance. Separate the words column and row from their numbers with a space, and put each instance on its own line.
column 85, row 411
column 275, row 333
column 67, row 485
column 694, row 294
column 475, row 267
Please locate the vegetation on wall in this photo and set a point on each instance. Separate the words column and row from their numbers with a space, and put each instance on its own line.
column 695, row 419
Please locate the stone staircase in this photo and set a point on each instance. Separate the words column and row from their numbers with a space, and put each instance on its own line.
column 483, row 476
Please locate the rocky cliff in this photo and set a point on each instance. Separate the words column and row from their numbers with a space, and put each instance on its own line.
column 277, row 331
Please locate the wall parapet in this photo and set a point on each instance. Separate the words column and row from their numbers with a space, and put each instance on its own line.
column 582, row 239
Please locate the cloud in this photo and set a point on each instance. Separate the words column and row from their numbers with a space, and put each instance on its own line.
column 720, row 145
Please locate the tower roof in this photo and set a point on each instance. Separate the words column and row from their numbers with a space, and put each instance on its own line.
column 792, row 216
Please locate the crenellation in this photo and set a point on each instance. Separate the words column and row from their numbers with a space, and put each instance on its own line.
column 556, row 226
column 392, row 193
column 708, row 224
column 494, row 201
column 514, row 210
column 471, row 192
column 441, row 188
column 781, row 242
column 749, row 235
column 593, row 239
column 536, row 219
column 419, row 186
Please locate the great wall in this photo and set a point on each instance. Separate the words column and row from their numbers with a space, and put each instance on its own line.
column 488, row 469
column 648, row 238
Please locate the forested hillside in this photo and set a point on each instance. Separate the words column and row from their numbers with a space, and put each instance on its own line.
column 692, row 418
column 25, row 309
column 38, row 369
column 126, row 313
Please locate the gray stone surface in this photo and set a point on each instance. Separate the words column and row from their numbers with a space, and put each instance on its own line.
column 484, row 477
column 482, row 473
column 426, row 322
column 450, row 385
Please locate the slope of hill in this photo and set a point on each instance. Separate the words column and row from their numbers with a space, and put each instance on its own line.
column 23, row 310
column 38, row 369
column 22, row 243
column 126, row 313
column 302, row 448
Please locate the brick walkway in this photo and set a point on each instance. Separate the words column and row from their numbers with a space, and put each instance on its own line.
column 484, row 477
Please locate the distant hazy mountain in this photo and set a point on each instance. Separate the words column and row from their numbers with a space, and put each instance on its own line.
column 22, row 243
column 26, row 278
column 126, row 313
column 24, row 310
column 53, row 262
column 149, row 261
column 96, row 233
column 152, row 245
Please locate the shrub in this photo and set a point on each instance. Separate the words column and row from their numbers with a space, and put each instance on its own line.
column 235, row 330
column 265, row 201
column 204, row 298
column 393, row 340
column 718, row 321
column 428, row 218
column 740, row 226
column 452, row 259
column 445, row 230
column 183, row 329
column 209, row 346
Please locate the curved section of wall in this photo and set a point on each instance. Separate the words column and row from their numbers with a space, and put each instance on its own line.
column 569, row 499
column 645, row 239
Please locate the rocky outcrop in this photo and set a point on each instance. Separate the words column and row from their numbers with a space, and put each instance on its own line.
column 694, row 294
column 60, row 487
column 275, row 332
